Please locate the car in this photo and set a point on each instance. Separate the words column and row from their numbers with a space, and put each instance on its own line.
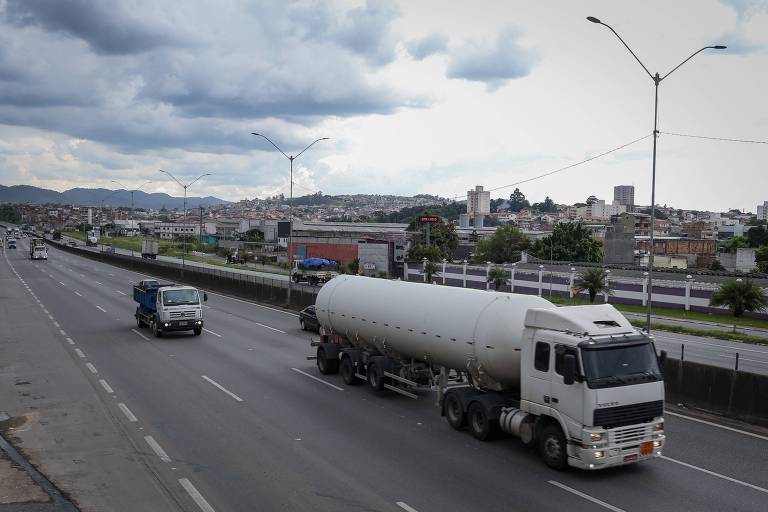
column 308, row 319
column 72, row 243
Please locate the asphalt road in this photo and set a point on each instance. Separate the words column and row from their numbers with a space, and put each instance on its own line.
column 251, row 425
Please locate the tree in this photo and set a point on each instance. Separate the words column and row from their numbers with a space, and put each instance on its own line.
column 657, row 214
column 757, row 236
column 517, row 201
column 441, row 235
column 761, row 259
column 734, row 243
column 498, row 276
column 420, row 251
column 503, row 246
column 253, row 235
column 430, row 269
column 739, row 296
column 547, row 206
column 591, row 200
column 354, row 266
column 716, row 265
column 594, row 281
column 9, row 214
column 569, row 242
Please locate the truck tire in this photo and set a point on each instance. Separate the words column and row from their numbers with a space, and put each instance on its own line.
column 454, row 411
column 375, row 377
column 156, row 330
column 301, row 323
column 326, row 366
column 347, row 371
column 553, row 447
column 139, row 322
column 198, row 331
column 481, row 426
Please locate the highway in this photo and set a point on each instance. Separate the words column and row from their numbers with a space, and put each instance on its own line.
column 238, row 419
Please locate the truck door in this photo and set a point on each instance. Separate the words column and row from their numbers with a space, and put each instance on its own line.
column 537, row 389
column 568, row 399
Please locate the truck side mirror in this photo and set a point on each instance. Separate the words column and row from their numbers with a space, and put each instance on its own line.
column 662, row 358
column 569, row 369
column 205, row 296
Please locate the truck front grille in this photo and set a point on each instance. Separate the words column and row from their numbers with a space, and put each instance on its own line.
column 629, row 435
column 182, row 314
column 622, row 415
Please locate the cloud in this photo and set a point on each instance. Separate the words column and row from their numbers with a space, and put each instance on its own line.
column 747, row 8
column 495, row 65
column 107, row 26
column 420, row 49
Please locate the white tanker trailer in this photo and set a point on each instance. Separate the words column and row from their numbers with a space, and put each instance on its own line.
column 579, row 381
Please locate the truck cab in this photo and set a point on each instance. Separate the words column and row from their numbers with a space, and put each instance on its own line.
column 169, row 307
column 595, row 377
column 11, row 243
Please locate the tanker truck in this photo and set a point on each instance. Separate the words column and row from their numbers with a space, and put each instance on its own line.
column 577, row 382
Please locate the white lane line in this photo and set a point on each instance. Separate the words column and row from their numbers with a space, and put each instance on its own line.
column 62, row 332
column 137, row 332
column 195, row 495
column 56, row 324
column 253, row 304
column 268, row 327
column 128, row 414
column 157, row 448
column 106, row 386
column 586, row 496
column 70, row 341
column 121, row 293
column 206, row 306
column 78, row 294
column 79, row 353
column 91, row 367
column 111, row 275
column 101, row 308
column 50, row 316
column 403, row 505
column 62, row 284
column 210, row 380
column 318, row 380
column 98, row 283
column 697, row 468
column 211, row 332
column 764, row 438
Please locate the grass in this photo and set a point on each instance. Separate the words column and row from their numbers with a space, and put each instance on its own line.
column 210, row 261
column 709, row 333
column 680, row 314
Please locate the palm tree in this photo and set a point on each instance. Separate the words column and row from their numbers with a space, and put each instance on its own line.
column 739, row 296
column 594, row 281
column 498, row 276
column 430, row 269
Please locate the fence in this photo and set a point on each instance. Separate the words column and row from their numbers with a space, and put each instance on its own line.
column 689, row 295
column 241, row 284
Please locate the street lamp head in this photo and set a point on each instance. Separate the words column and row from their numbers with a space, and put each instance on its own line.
column 593, row 19
column 719, row 47
column 257, row 134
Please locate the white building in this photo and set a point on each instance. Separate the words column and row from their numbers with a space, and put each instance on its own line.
column 762, row 211
column 478, row 201
column 171, row 230
column 600, row 210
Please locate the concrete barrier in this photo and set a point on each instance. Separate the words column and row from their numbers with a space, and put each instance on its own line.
column 730, row 393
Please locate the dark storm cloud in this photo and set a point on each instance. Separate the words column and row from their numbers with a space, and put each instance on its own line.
column 494, row 65
column 106, row 25
column 420, row 49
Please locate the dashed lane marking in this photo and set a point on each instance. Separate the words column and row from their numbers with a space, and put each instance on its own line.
column 586, row 496
column 157, row 448
column 106, row 386
column 317, row 379
column 128, row 414
column 222, row 388
column 195, row 495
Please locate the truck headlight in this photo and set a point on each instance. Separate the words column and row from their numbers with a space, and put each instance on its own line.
column 166, row 324
column 596, row 437
column 599, row 454
column 658, row 427
column 657, row 444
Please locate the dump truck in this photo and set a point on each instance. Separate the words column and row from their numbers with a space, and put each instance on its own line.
column 314, row 270
column 166, row 307
column 37, row 249
column 149, row 249
column 578, row 382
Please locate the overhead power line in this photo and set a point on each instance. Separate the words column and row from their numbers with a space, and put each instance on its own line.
column 723, row 139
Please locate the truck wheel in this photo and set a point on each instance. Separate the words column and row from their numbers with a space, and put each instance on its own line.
column 348, row 371
column 553, row 448
column 139, row 323
column 198, row 331
column 454, row 411
column 375, row 377
column 301, row 323
column 482, row 427
column 156, row 330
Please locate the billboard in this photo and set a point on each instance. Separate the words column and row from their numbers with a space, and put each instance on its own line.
column 283, row 228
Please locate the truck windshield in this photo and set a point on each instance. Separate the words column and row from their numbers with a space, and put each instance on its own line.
column 180, row 297
column 606, row 367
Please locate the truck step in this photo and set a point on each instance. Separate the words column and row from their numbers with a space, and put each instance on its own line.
column 400, row 379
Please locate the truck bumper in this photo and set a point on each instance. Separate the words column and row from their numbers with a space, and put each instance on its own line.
column 600, row 457
column 181, row 325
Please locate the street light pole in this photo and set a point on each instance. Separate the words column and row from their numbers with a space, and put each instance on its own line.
column 133, row 220
column 656, row 81
column 290, row 204
column 185, row 187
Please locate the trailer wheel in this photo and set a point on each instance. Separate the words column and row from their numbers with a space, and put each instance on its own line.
column 553, row 448
column 375, row 377
column 482, row 427
column 454, row 411
column 348, row 371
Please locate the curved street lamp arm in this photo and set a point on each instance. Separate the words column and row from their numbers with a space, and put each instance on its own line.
column 195, row 180
column 306, row 148
column 628, row 48
column 142, row 185
column 686, row 60
column 115, row 181
column 276, row 147
column 172, row 176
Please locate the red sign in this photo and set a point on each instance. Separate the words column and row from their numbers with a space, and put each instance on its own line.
column 431, row 219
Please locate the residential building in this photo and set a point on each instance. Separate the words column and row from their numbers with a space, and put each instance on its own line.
column 699, row 230
column 762, row 211
column 172, row 230
column 478, row 201
column 598, row 210
column 624, row 195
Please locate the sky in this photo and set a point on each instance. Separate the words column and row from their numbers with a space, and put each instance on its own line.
column 416, row 97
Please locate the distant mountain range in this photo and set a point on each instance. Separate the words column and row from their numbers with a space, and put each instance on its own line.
column 27, row 194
